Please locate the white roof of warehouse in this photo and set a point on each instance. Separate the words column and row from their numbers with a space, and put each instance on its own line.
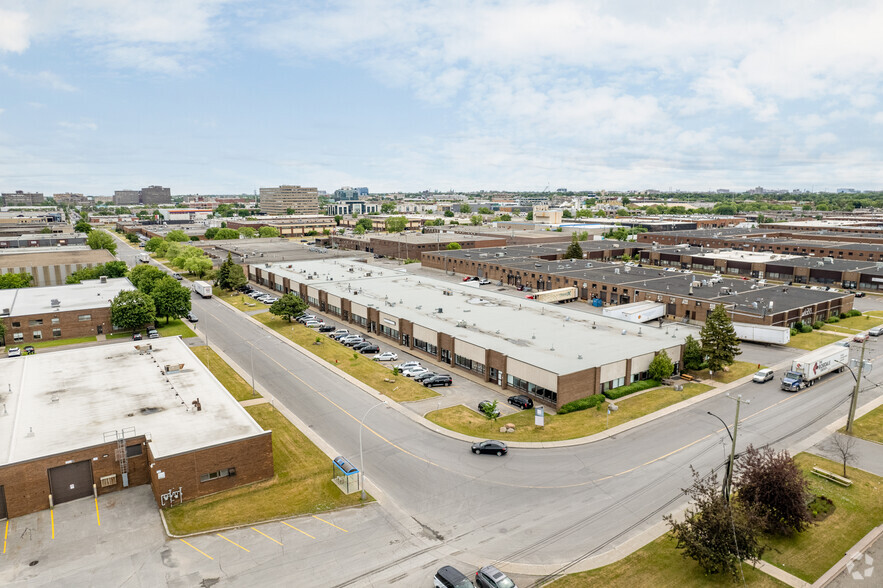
column 83, row 296
column 65, row 400
column 548, row 336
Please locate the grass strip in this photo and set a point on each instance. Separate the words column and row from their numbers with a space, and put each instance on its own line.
column 813, row 340
column 233, row 382
column 739, row 369
column 870, row 426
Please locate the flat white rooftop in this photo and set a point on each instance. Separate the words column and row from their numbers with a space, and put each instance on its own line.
column 65, row 400
column 549, row 336
column 86, row 295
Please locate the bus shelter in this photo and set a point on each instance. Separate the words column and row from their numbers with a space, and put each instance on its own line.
column 345, row 475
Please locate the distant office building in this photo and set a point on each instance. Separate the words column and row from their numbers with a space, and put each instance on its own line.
column 297, row 199
column 347, row 207
column 346, row 193
column 70, row 199
column 362, row 191
column 156, row 195
column 19, row 198
column 125, row 197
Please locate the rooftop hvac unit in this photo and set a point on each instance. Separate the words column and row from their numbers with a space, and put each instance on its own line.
column 55, row 303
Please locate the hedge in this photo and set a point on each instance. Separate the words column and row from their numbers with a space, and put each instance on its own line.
column 630, row 389
column 854, row 312
column 582, row 404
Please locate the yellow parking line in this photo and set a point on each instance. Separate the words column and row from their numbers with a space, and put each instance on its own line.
column 195, row 549
column 5, row 534
column 52, row 518
column 332, row 524
column 298, row 530
column 233, row 542
column 267, row 536
column 97, row 515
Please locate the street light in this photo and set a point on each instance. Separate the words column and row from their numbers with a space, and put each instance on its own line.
column 361, row 457
column 733, row 435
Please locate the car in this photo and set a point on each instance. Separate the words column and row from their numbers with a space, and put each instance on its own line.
column 491, row 577
column 521, row 401
column 876, row 332
column 13, row 352
column 136, row 336
column 860, row 338
column 407, row 364
column 192, row 317
column 269, row 299
column 490, row 446
column 177, row 276
column 414, row 371
column 470, row 279
column 305, row 317
column 353, row 342
column 349, row 336
column 484, row 403
column 152, row 334
column 358, row 346
column 29, row 350
column 424, row 376
column 450, row 577
column 439, row 380
column 483, row 282
column 327, row 328
column 339, row 334
column 256, row 294
column 842, row 343
column 314, row 324
column 369, row 349
column 386, row 356
column 763, row 376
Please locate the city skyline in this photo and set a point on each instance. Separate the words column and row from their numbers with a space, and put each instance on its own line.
column 227, row 97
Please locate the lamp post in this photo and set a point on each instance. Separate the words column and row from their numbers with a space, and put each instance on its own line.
column 733, row 436
column 361, row 457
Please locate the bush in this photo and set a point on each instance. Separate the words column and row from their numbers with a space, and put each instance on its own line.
column 799, row 326
column 806, row 329
column 582, row 404
column 793, row 332
column 843, row 315
column 832, row 320
column 818, row 325
column 631, row 389
column 854, row 312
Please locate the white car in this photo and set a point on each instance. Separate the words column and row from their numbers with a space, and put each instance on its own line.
column 414, row 371
column 315, row 324
column 386, row 356
column 338, row 333
column 408, row 364
column 13, row 352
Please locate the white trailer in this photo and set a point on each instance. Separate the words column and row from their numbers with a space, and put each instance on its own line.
column 204, row 289
column 806, row 370
column 557, row 295
column 762, row 333
column 636, row 312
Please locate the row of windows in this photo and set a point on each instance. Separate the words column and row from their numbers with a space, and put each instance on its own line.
column 335, row 310
column 218, row 474
column 37, row 335
column 389, row 332
column 360, row 320
column 424, row 346
column 54, row 321
column 531, row 388
column 469, row 364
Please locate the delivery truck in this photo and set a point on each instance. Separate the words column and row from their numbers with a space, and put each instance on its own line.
column 556, row 295
column 144, row 257
column 204, row 289
column 806, row 371
column 762, row 333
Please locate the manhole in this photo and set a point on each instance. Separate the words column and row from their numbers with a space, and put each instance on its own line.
column 33, row 563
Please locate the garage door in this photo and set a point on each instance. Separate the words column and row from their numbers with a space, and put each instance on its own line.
column 71, row 481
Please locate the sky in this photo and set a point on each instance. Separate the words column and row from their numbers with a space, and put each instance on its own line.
column 226, row 96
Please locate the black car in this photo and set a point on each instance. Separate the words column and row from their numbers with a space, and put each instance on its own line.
column 359, row 346
column 440, row 380
column 136, row 337
column 490, row 446
column 245, row 288
column 327, row 329
column 29, row 350
column 521, row 401
column 371, row 348
column 425, row 376
column 484, row 403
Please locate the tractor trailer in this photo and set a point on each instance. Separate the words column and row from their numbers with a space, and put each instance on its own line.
column 204, row 289
column 806, row 371
column 556, row 295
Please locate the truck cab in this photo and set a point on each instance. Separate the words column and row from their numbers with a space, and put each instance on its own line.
column 793, row 381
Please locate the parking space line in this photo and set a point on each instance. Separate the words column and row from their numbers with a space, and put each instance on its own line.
column 267, row 536
column 5, row 534
column 233, row 542
column 97, row 515
column 298, row 530
column 52, row 518
column 195, row 549
column 332, row 524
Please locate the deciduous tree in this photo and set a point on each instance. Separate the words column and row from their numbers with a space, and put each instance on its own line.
column 774, row 486
column 132, row 309
column 268, row 232
column 661, row 367
column 396, row 224
column 288, row 306
column 144, row 277
column 177, row 235
column 19, row 280
column 101, row 240
column 170, row 299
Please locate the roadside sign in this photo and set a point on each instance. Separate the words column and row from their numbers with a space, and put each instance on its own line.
column 538, row 416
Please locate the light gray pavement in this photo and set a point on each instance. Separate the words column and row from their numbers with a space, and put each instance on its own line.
column 866, row 455
column 861, row 567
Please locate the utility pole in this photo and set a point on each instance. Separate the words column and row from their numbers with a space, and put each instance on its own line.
column 739, row 403
column 858, row 381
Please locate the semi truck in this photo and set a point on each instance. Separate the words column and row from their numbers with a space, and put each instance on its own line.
column 204, row 289
column 762, row 333
column 806, row 371
column 557, row 295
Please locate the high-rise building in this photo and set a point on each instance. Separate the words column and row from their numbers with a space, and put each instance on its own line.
column 156, row 195
column 19, row 198
column 124, row 197
column 362, row 191
column 70, row 199
column 297, row 199
column 346, row 193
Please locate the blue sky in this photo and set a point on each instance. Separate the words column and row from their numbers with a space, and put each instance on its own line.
column 225, row 96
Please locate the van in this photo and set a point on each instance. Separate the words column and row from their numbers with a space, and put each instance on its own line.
column 451, row 577
column 762, row 376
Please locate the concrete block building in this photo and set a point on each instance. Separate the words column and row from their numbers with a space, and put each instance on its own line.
column 281, row 199
column 51, row 266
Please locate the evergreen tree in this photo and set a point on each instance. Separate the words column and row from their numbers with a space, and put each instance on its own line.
column 719, row 342
column 693, row 356
column 574, row 251
column 223, row 277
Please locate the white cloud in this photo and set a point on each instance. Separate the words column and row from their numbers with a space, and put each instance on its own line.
column 14, row 31
column 78, row 126
column 43, row 78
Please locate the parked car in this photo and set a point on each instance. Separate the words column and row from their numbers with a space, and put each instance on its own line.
column 483, row 282
column 490, row 446
column 256, row 294
column 152, row 334
column 13, row 352
column 876, row 332
column 136, row 337
column 407, row 364
column 177, row 276
column 353, row 342
column 339, row 334
column 424, row 376
column 521, row 401
column 470, row 279
column 860, row 338
column 327, row 328
column 369, row 349
column 29, row 350
column 491, row 577
column 763, row 376
column 386, row 356
column 440, row 380
column 305, row 317
column 449, row 577
column 359, row 346
column 192, row 317
column 314, row 324
column 484, row 403
column 245, row 288
column 414, row 371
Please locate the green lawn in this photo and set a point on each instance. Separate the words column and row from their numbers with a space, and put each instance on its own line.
column 559, row 427
column 361, row 367
column 858, row 509
column 174, row 328
column 302, row 485
column 57, row 342
column 860, row 323
column 660, row 565
column 739, row 369
column 814, row 340
column 870, row 426
column 836, row 328
column 238, row 300
column 233, row 382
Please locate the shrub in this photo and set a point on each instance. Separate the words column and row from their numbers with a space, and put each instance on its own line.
column 582, row 404
column 854, row 312
column 833, row 319
column 806, row 329
column 793, row 332
column 799, row 326
column 818, row 325
column 630, row 389
column 843, row 315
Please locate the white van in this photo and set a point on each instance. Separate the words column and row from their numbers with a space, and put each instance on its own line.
column 764, row 375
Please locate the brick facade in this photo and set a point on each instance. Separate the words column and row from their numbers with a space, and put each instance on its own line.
column 67, row 323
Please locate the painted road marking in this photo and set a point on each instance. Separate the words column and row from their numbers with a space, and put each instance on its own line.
column 267, row 536
column 195, row 549
column 327, row 523
column 233, row 542
column 298, row 530
column 5, row 534
column 52, row 518
column 97, row 516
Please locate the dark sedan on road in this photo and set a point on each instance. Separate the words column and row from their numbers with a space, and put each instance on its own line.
column 521, row 401
column 490, row 446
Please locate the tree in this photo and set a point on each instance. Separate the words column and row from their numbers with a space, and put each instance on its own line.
column 719, row 342
column 144, row 277
column 171, row 299
column 693, row 355
column 465, row 208
column 626, row 200
column 574, row 251
column 101, row 240
column 717, row 534
column 530, row 215
column 490, row 409
column 19, row 280
column 661, row 367
column 211, row 231
column 365, row 223
column 774, row 486
column 247, row 232
column 198, row 265
column 177, row 235
column 388, row 207
column 153, row 244
column 226, row 233
column 132, row 237
column 359, row 230
column 82, row 227
column 449, row 213
column 132, row 309
column 476, row 219
column 505, row 217
column 484, row 210
column 396, row 224
column 843, row 446
column 2, row 333
column 268, row 232
column 228, row 277
column 236, row 277
column 567, row 214
column 453, row 246
column 337, row 219
column 288, row 306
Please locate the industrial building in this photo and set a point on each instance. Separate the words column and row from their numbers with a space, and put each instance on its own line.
column 84, row 422
column 19, row 198
column 289, row 200
column 51, row 266
column 553, row 353
column 406, row 245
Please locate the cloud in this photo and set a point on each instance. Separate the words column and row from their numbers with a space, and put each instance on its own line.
column 14, row 31
column 43, row 78
column 78, row 126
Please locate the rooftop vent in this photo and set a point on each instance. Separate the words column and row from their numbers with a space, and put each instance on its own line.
column 103, row 279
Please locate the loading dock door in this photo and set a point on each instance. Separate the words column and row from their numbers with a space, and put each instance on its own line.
column 2, row 503
column 71, row 481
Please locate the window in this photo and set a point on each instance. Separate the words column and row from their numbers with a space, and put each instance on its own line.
column 35, row 322
column 84, row 317
column 56, row 332
column 133, row 450
column 389, row 332
column 55, row 320
column 18, row 337
column 469, row 364
column 424, row 346
column 16, row 324
column 38, row 335
column 531, row 388
column 219, row 474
